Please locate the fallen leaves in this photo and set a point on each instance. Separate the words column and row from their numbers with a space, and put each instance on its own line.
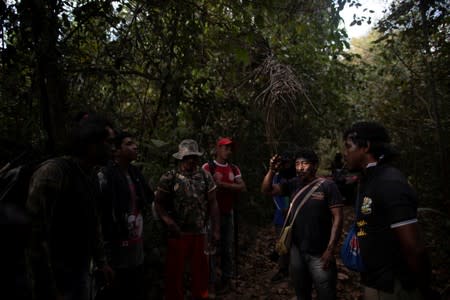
column 256, row 269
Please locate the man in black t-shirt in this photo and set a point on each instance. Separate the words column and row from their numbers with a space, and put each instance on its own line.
column 394, row 256
column 316, row 227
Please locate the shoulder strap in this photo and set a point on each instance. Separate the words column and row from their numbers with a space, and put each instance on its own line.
column 357, row 201
column 174, row 178
column 212, row 167
column 233, row 169
column 311, row 191
column 317, row 183
column 205, row 178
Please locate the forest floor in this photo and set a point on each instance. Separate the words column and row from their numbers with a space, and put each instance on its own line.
column 255, row 268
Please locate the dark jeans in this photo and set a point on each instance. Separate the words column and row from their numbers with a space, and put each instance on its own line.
column 283, row 260
column 226, row 245
column 128, row 283
column 306, row 270
column 73, row 284
column 225, row 250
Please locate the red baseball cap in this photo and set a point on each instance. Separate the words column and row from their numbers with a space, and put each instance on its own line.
column 224, row 141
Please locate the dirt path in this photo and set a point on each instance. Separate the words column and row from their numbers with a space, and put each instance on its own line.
column 255, row 270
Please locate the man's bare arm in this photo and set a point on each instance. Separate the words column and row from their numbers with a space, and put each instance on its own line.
column 266, row 186
column 160, row 198
column 238, row 185
column 414, row 252
column 214, row 214
column 336, row 230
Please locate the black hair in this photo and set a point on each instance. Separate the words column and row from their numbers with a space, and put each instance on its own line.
column 307, row 154
column 120, row 136
column 287, row 168
column 361, row 133
column 87, row 130
column 337, row 162
column 80, row 116
column 287, row 156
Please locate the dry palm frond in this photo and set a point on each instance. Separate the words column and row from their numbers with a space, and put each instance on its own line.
column 278, row 100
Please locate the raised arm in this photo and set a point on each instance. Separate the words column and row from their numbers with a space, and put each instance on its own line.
column 267, row 187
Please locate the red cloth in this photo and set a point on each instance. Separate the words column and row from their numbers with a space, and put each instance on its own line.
column 189, row 247
column 225, row 197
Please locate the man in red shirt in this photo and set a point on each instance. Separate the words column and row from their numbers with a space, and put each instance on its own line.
column 229, row 182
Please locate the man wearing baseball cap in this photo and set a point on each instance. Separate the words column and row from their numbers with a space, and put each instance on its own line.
column 185, row 198
column 228, row 179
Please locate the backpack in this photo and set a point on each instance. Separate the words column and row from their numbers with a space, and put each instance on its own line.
column 14, row 181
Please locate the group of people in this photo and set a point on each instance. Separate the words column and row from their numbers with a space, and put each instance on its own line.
column 188, row 199
column 396, row 263
column 88, row 210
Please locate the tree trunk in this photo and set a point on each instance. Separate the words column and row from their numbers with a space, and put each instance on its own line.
column 435, row 105
column 50, row 90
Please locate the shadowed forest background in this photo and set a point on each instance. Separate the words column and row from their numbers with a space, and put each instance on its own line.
column 274, row 75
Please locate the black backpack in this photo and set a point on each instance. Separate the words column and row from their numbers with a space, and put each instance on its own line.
column 14, row 184
column 15, row 177
column 14, row 181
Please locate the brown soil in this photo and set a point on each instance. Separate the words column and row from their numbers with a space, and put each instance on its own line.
column 255, row 267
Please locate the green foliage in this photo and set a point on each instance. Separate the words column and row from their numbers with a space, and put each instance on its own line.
column 168, row 70
column 274, row 75
column 404, row 83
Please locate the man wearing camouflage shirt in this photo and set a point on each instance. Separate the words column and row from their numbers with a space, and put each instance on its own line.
column 185, row 199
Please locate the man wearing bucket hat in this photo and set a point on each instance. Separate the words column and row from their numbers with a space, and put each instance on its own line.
column 185, row 199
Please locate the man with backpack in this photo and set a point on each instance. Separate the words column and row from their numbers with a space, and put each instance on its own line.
column 125, row 201
column 62, row 204
column 228, row 179
column 316, row 217
column 185, row 200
